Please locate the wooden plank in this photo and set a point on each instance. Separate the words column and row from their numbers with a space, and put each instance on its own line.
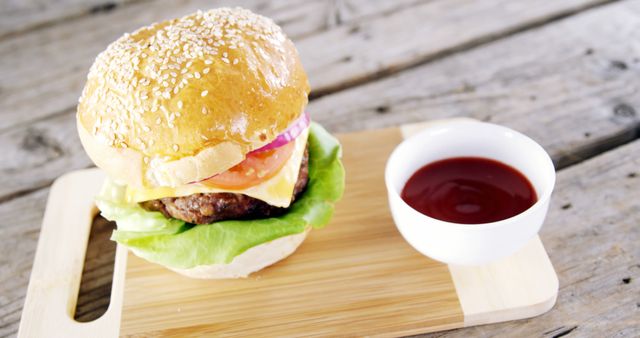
column 384, row 287
column 19, row 230
column 594, row 251
column 25, row 212
column 379, row 286
column 19, row 16
column 497, row 82
column 57, row 269
column 334, row 58
column 592, row 236
column 45, row 70
column 570, row 87
column 383, row 45
column 43, row 149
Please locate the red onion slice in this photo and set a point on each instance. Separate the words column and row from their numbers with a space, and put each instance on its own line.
column 294, row 130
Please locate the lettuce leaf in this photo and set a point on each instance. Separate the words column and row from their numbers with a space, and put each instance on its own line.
column 177, row 244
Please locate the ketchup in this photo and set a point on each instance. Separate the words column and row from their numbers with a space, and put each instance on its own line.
column 469, row 190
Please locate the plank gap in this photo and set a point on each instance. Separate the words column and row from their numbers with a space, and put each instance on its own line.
column 24, row 192
column 447, row 52
column 597, row 147
column 73, row 14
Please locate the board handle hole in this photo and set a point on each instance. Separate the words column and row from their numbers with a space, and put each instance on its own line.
column 97, row 275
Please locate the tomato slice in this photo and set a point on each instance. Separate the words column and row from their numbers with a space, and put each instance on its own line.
column 256, row 168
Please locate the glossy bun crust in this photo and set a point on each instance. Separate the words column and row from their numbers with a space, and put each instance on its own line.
column 182, row 100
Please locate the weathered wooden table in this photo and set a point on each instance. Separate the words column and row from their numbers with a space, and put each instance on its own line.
column 567, row 73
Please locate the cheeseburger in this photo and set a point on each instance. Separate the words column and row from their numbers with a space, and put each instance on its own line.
column 214, row 168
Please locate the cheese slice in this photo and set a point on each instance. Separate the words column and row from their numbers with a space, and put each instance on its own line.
column 276, row 191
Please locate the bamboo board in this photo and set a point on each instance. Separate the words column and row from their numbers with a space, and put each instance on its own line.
column 356, row 277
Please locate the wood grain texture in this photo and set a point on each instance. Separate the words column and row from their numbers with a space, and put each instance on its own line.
column 358, row 276
column 33, row 92
column 333, row 58
column 592, row 236
column 20, row 16
column 51, row 65
column 572, row 86
column 55, row 280
column 526, row 91
column 19, row 231
column 355, row 277
column 418, row 34
column 519, row 286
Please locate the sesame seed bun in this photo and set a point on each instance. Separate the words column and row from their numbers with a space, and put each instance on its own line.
column 185, row 99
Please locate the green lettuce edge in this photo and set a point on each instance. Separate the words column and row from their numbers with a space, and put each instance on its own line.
column 177, row 244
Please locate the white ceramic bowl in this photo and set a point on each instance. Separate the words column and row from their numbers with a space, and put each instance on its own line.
column 469, row 244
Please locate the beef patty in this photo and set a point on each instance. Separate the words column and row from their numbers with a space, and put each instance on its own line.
column 205, row 208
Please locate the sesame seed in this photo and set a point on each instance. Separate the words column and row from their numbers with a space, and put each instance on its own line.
column 179, row 104
column 175, row 147
column 161, row 57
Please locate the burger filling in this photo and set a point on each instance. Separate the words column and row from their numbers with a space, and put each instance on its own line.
column 205, row 208
column 177, row 242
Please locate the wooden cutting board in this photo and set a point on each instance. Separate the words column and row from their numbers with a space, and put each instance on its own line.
column 356, row 277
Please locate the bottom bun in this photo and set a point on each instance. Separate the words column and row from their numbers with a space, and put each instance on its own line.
column 254, row 259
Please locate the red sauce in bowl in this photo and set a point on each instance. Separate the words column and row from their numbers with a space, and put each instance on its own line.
column 469, row 190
